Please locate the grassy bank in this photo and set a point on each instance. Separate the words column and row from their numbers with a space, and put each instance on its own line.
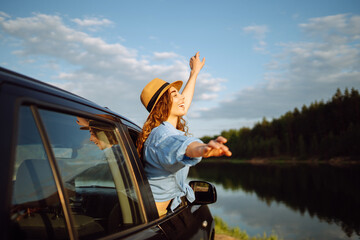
column 222, row 228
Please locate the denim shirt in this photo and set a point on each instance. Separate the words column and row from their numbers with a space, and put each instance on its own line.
column 166, row 165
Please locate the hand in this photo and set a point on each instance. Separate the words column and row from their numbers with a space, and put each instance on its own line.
column 82, row 122
column 195, row 64
column 216, row 148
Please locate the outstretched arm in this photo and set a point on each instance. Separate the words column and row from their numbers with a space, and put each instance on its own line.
column 215, row 148
column 195, row 66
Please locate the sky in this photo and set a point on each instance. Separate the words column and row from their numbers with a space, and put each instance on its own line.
column 263, row 58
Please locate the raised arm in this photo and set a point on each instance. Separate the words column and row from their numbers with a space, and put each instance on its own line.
column 195, row 66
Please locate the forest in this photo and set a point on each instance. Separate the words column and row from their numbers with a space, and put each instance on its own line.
column 321, row 131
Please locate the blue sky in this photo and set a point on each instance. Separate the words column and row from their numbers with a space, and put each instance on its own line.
column 263, row 58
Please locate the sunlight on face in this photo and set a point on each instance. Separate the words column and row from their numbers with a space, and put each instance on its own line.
column 99, row 139
column 178, row 103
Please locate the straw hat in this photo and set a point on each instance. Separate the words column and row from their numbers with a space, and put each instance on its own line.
column 154, row 90
column 87, row 124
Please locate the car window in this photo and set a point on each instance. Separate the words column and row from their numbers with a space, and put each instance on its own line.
column 36, row 211
column 95, row 172
column 134, row 135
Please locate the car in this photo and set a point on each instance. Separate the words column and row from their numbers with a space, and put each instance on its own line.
column 70, row 170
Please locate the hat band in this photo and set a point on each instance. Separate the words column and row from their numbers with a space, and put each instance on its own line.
column 155, row 97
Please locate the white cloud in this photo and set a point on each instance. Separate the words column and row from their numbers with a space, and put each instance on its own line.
column 303, row 72
column 109, row 74
column 4, row 15
column 259, row 33
column 206, row 96
column 122, row 39
column 335, row 29
column 90, row 22
column 165, row 55
column 208, row 87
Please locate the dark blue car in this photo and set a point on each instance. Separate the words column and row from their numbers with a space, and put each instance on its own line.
column 70, row 170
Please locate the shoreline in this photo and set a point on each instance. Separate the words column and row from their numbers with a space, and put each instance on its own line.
column 224, row 232
column 223, row 237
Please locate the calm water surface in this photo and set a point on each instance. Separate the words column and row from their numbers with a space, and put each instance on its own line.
column 294, row 201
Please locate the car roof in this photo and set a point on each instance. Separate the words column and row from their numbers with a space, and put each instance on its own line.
column 15, row 78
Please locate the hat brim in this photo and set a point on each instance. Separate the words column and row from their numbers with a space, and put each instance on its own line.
column 97, row 125
column 176, row 84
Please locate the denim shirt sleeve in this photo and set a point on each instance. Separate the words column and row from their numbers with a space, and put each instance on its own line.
column 170, row 152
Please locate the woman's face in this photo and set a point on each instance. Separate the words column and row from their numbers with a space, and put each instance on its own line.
column 178, row 103
column 98, row 142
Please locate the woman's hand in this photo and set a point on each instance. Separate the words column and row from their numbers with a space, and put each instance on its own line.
column 195, row 64
column 215, row 148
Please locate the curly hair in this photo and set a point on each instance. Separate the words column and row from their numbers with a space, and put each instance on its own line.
column 159, row 114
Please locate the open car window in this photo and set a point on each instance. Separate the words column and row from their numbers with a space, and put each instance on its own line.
column 94, row 171
column 99, row 183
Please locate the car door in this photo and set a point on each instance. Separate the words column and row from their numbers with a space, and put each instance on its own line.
column 72, row 181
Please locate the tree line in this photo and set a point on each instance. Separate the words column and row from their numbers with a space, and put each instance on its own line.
column 322, row 130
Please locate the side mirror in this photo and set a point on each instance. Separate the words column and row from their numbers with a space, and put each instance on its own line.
column 205, row 192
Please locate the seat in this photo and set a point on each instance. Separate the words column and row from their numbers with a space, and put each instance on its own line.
column 34, row 185
column 35, row 201
column 36, row 205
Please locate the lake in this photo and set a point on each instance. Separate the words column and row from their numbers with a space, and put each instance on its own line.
column 294, row 201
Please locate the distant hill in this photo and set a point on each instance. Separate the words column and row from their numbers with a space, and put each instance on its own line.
column 322, row 130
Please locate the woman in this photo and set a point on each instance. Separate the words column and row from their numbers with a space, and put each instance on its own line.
column 164, row 145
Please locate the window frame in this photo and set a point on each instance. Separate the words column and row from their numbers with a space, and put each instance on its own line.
column 73, row 108
column 142, row 179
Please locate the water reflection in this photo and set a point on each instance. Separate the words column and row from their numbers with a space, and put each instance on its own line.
column 307, row 198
